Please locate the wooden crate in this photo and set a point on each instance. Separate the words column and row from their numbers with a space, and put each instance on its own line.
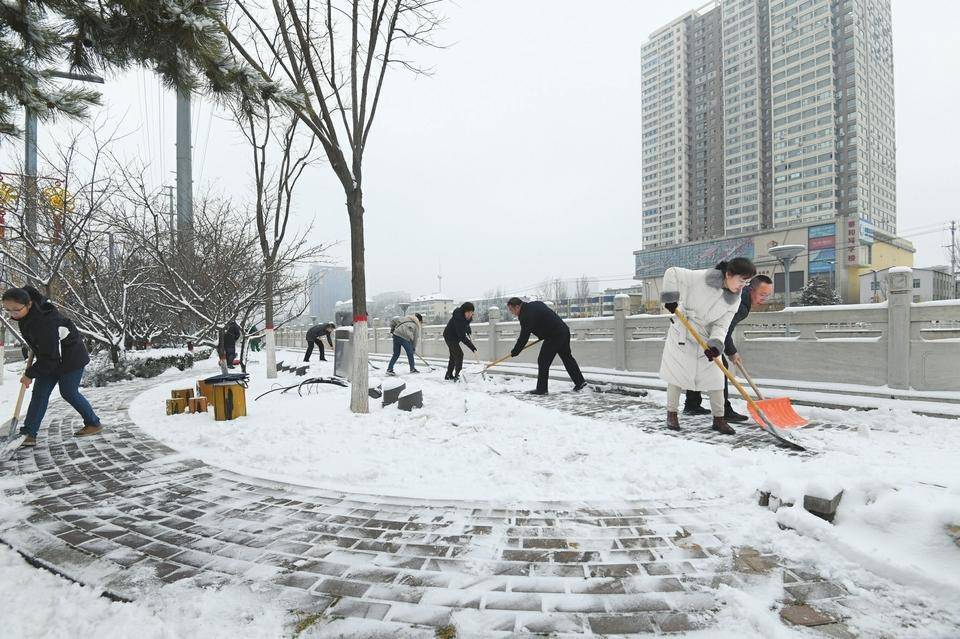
column 197, row 405
column 204, row 389
column 176, row 406
column 229, row 401
column 182, row 393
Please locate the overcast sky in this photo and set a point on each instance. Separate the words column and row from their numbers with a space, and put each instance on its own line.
column 519, row 159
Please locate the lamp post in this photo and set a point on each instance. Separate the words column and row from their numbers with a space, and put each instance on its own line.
column 786, row 253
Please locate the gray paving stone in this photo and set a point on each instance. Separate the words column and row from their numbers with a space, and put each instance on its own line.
column 133, row 515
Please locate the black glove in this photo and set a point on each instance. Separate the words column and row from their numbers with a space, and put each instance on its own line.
column 670, row 306
column 515, row 352
column 473, row 348
column 712, row 353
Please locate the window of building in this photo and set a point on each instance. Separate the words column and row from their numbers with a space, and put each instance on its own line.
column 916, row 283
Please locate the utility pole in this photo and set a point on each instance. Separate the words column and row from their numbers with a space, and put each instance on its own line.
column 953, row 258
column 184, row 173
column 30, row 165
column 172, row 224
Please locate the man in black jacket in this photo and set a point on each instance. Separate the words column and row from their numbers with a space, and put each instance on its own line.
column 315, row 338
column 539, row 319
column 231, row 333
column 756, row 293
column 457, row 331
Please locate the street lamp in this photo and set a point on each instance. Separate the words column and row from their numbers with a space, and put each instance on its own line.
column 786, row 253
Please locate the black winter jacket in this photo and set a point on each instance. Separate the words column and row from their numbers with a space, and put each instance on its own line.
column 318, row 331
column 539, row 319
column 458, row 329
column 729, row 348
column 40, row 328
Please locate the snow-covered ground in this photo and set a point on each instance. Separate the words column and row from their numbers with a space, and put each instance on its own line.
column 889, row 545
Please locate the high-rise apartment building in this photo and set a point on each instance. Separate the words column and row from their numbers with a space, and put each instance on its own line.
column 760, row 114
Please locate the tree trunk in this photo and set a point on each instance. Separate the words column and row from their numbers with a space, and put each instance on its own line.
column 269, row 337
column 359, row 400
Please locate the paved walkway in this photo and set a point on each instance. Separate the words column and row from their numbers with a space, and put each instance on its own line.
column 127, row 514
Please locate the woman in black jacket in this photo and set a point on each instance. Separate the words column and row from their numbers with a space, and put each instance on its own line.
column 457, row 331
column 59, row 358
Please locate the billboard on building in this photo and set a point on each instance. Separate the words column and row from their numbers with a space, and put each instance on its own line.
column 654, row 262
column 821, row 248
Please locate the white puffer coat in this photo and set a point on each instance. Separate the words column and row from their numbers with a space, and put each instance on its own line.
column 710, row 309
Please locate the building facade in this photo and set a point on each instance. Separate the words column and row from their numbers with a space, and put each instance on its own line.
column 838, row 251
column 327, row 285
column 768, row 114
column 929, row 285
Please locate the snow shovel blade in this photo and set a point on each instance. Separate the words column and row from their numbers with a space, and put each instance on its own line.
column 9, row 446
column 779, row 412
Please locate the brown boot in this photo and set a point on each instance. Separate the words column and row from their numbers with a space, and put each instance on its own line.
column 720, row 424
column 88, row 430
column 673, row 422
column 29, row 441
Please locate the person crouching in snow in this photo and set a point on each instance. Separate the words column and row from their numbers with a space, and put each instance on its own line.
column 709, row 299
column 59, row 358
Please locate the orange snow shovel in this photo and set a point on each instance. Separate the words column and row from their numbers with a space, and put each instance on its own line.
column 779, row 407
column 770, row 414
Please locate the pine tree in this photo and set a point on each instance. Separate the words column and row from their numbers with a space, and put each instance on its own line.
column 181, row 40
column 818, row 292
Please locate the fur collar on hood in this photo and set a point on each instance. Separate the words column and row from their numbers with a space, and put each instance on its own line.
column 715, row 279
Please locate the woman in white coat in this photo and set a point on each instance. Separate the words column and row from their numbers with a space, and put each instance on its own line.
column 708, row 298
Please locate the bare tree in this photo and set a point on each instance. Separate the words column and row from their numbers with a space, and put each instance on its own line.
column 334, row 56
column 282, row 150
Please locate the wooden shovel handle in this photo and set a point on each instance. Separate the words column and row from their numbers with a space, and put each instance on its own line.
column 716, row 360
column 508, row 356
column 23, row 390
column 750, row 379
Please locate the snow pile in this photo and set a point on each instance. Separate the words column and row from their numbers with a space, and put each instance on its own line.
column 37, row 603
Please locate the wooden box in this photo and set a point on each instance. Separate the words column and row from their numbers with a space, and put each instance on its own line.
column 176, row 406
column 229, row 401
column 182, row 393
column 197, row 405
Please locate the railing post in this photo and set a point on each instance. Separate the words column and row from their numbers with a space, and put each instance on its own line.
column 493, row 335
column 621, row 304
column 376, row 335
column 900, row 286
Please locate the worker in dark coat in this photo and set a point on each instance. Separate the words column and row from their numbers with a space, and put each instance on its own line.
column 315, row 337
column 231, row 333
column 760, row 288
column 59, row 359
column 540, row 320
column 458, row 332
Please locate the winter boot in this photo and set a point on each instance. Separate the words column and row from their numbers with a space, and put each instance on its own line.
column 720, row 425
column 88, row 430
column 695, row 410
column 673, row 422
column 391, row 373
column 579, row 387
column 536, row 391
column 29, row 442
column 415, row 371
column 733, row 416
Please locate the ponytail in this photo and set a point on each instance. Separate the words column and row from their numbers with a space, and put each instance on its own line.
column 34, row 294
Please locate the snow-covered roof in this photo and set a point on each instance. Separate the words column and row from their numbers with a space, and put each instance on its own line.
column 432, row 297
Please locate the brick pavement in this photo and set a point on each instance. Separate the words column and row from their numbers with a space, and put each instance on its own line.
column 126, row 514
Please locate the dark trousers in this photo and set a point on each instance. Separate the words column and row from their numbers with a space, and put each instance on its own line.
column 230, row 351
column 398, row 343
column 455, row 363
column 319, row 344
column 549, row 349
column 69, row 390
column 693, row 396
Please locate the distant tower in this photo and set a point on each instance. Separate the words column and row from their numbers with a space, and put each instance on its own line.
column 439, row 278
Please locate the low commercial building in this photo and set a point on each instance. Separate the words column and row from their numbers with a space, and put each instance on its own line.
column 929, row 285
column 838, row 251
